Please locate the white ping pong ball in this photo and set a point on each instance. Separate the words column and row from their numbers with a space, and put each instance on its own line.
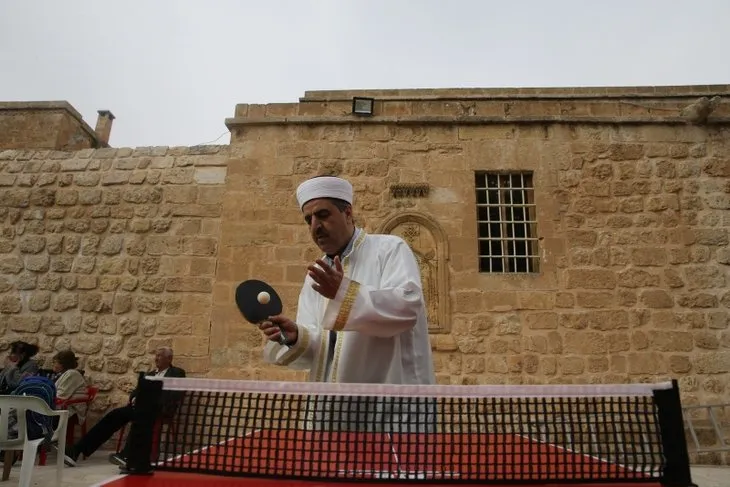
column 263, row 297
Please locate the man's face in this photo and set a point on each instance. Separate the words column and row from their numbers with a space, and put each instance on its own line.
column 162, row 361
column 331, row 228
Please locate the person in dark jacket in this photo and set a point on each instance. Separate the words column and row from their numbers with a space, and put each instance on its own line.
column 18, row 365
column 115, row 419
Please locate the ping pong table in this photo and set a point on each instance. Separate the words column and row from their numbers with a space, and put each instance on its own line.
column 242, row 434
column 413, row 458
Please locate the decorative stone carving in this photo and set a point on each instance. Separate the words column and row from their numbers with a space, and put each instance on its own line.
column 409, row 190
column 430, row 246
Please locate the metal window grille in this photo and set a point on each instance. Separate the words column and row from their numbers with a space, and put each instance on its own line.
column 507, row 224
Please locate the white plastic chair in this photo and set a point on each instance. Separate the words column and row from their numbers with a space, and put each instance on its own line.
column 21, row 405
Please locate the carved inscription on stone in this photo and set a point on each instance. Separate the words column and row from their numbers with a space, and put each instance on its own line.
column 405, row 190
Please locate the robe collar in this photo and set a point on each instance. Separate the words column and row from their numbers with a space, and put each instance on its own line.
column 348, row 248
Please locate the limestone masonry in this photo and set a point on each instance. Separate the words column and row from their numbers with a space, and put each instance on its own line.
column 564, row 235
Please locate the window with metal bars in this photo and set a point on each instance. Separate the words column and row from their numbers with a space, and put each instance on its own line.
column 507, row 224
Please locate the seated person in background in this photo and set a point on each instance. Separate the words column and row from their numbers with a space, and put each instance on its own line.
column 115, row 419
column 70, row 384
column 18, row 365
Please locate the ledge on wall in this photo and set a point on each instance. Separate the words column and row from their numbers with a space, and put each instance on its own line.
column 627, row 105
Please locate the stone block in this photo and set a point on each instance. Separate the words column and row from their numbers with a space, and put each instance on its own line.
column 590, row 279
column 657, row 298
column 115, row 178
column 210, row 175
column 191, row 346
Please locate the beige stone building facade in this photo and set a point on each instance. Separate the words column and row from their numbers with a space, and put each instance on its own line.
column 564, row 235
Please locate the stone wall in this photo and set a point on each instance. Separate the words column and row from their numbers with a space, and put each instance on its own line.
column 632, row 200
column 114, row 251
column 111, row 252
column 634, row 243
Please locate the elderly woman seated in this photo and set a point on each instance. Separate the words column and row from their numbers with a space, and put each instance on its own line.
column 18, row 365
column 70, row 383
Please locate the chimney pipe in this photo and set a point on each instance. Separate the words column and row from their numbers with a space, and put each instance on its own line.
column 104, row 126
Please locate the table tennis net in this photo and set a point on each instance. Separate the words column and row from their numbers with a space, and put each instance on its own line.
column 450, row 434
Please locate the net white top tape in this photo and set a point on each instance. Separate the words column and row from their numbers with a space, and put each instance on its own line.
column 428, row 391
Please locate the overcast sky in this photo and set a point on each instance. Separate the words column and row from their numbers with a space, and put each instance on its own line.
column 171, row 71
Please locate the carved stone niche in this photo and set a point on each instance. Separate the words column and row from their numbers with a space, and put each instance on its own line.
column 430, row 246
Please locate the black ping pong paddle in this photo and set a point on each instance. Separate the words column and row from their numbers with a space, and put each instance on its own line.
column 247, row 300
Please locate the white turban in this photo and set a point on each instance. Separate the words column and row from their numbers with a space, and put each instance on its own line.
column 324, row 187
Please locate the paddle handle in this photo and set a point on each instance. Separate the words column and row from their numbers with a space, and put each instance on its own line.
column 282, row 338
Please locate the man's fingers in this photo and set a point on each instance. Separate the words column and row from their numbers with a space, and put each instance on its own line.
column 322, row 271
column 278, row 324
column 317, row 273
column 338, row 265
column 269, row 329
column 325, row 267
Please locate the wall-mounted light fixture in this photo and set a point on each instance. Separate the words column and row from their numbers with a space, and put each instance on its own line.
column 362, row 106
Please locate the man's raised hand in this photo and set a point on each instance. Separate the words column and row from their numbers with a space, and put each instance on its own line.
column 327, row 279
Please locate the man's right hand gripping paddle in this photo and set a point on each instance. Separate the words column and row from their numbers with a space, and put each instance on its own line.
column 257, row 302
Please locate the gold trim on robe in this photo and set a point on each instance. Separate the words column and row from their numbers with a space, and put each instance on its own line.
column 336, row 356
column 345, row 308
column 298, row 349
column 322, row 356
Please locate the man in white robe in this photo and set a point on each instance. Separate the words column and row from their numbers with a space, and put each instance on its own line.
column 361, row 315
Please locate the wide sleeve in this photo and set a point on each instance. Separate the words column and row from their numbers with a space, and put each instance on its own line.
column 386, row 310
column 301, row 355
